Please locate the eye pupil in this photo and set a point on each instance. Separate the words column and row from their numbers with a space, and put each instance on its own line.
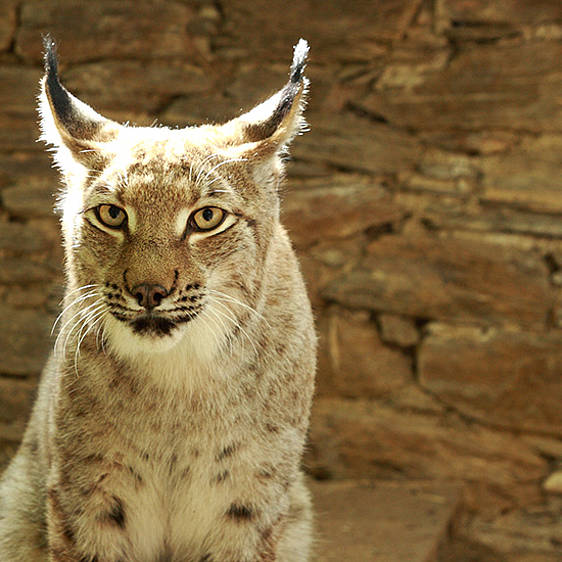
column 114, row 211
column 208, row 214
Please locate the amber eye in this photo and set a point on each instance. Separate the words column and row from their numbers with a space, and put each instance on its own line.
column 111, row 215
column 207, row 218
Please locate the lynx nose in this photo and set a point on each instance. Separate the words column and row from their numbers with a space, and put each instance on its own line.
column 149, row 296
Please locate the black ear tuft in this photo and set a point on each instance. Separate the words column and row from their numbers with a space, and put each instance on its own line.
column 300, row 54
column 50, row 55
column 58, row 95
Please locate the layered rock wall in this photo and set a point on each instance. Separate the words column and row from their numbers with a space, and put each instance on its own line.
column 425, row 204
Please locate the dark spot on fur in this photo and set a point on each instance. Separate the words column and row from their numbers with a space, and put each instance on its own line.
column 173, row 462
column 185, row 473
column 206, row 558
column 117, row 513
column 267, row 533
column 96, row 458
column 67, row 532
column 155, row 325
column 250, row 222
column 135, row 475
column 239, row 512
column 222, row 476
column 227, row 452
column 266, row 472
column 272, row 428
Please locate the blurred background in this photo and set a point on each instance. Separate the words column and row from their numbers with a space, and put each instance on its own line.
column 425, row 205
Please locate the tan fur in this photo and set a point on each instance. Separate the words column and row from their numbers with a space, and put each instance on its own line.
column 182, row 446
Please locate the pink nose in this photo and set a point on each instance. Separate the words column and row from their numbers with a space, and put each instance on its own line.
column 149, row 296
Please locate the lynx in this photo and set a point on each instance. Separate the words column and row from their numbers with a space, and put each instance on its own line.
column 172, row 414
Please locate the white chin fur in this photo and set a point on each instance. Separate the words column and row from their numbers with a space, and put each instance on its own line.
column 193, row 343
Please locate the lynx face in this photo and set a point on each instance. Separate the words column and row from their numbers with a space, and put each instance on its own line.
column 171, row 241
column 167, row 231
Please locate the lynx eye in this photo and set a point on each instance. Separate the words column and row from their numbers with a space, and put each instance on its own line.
column 111, row 215
column 207, row 218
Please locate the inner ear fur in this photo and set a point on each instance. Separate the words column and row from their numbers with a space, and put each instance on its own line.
column 67, row 122
column 269, row 127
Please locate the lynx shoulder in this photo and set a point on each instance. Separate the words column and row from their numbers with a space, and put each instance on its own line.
column 172, row 413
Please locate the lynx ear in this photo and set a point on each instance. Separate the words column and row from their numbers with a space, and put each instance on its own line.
column 69, row 124
column 271, row 126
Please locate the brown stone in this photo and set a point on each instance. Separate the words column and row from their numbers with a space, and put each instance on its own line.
column 353, row 362
column 398, row 330
column 8, row 9
column 324, row 24
column 20, row 238
column 508, row 11
column 505, row 378
column 443, row 165
column 24, row 340
column 20, row 168
column 412, row 398
column 336, row 140
column 547, row 446
column 448, row 278
column 423, row 184
column 510, row 92
column 115, row 86
column 325, row 262
column 489, row 218
column 212, row 107
column 30, row 199
column 339, row 209
column 521, row 531
column 483, row 142
column 19, row 128
column 395, row 522
column 8, row 448
column 21, row 270
column 16, row 400
column 527, row 177
column 122, row 30
column 553, row 484
column 361, row 438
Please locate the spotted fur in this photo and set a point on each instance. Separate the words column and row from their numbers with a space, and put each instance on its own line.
column 172, row 414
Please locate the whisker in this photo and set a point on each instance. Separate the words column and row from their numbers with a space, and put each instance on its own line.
column 90, row 322
column 77, row 319
column 213, row 319
column 218, row 320
column 230, row 160
column 200, row 168
column 234, row 300
column 230, row 315
column 80, row 298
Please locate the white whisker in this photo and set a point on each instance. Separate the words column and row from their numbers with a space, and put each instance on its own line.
column 90, row 322
column 229, row 298
column 80, row 298
column 200, row 168
column 230, row 160
column 230, row 316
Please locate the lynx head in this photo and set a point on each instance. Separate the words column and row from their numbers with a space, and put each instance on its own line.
column 166, row 230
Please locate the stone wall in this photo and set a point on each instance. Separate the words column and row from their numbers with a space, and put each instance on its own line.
column 425, row 204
